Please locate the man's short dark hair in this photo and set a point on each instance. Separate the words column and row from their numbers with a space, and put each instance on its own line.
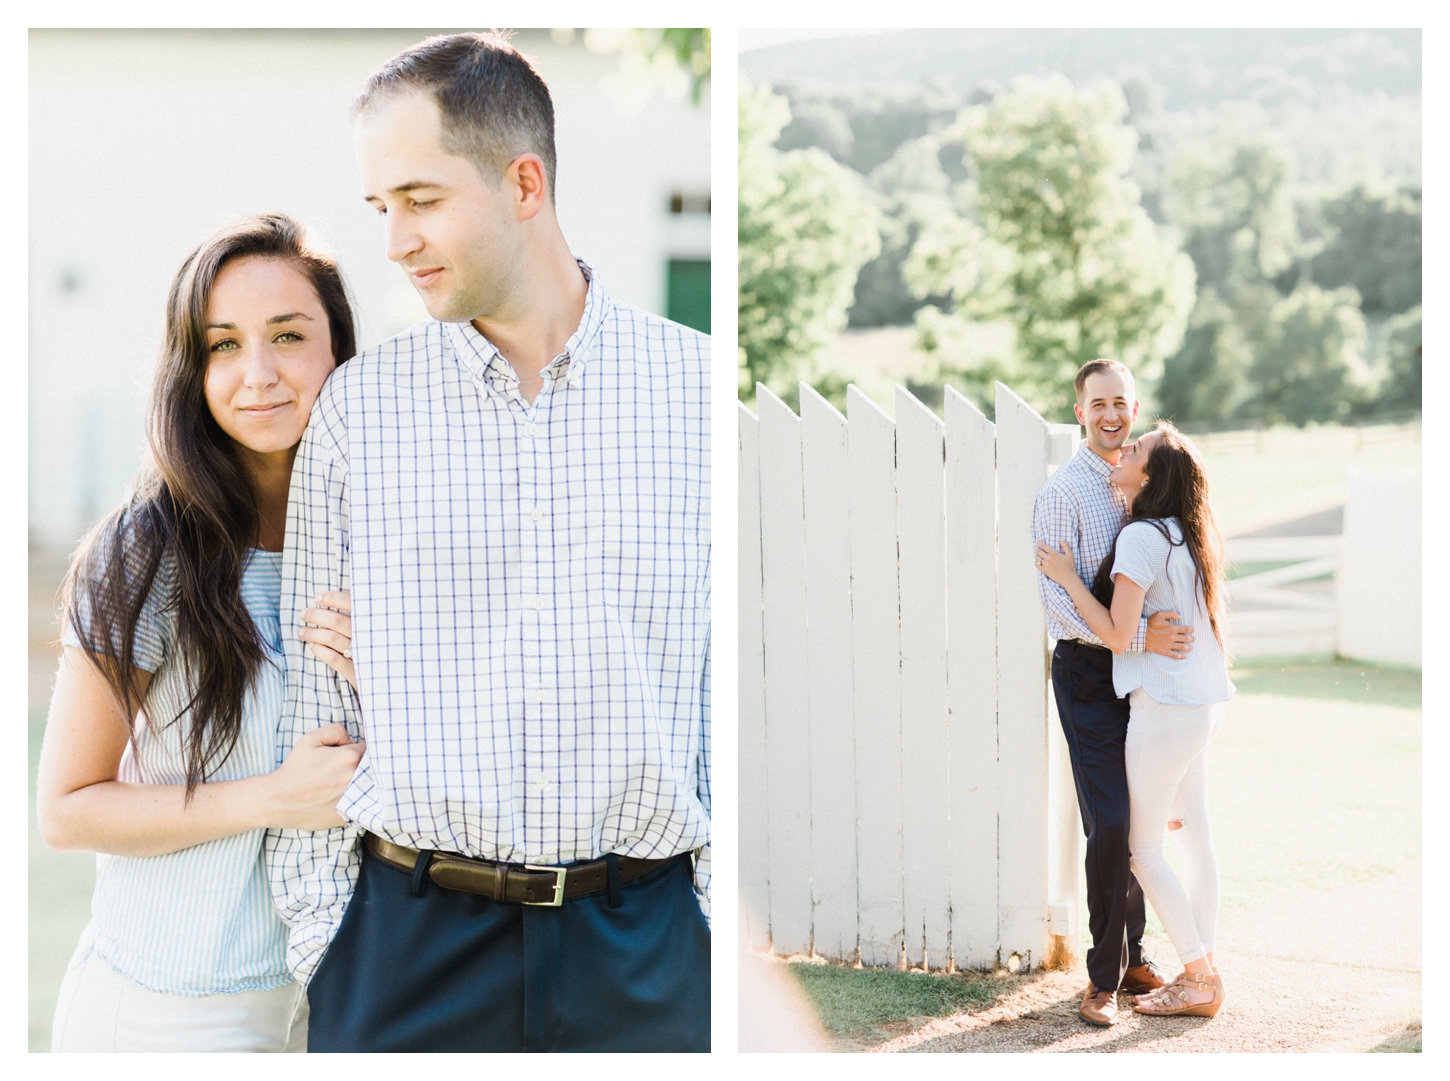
column 1092, row 367
column 494, row 105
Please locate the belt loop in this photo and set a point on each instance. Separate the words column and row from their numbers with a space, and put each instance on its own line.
column 420, row 874
column 616, row 891
column 500, row 881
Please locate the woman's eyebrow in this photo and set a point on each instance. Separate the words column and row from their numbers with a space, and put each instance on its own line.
column 288, row 318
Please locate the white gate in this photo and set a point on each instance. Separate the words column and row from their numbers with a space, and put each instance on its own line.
column 905, row 797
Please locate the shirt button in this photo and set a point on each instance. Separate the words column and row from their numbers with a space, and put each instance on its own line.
column 537, row 604
column 541, row 696
column 537, row 514
column 541, row 780
column 533, row 429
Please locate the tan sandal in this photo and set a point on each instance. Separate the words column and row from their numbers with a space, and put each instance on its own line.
column 1173, row 1000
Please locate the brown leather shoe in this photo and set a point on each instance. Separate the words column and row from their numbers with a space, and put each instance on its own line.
column 1098, row 1007
column 1141, row 979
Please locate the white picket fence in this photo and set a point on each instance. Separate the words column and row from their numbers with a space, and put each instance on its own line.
column 905, row 795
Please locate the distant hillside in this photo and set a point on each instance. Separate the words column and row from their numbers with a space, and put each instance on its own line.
column 1193, row 67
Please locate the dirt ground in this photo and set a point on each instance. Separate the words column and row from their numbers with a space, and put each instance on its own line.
column 1293, row 990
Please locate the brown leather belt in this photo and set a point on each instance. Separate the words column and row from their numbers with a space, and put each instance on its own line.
column 524, row 884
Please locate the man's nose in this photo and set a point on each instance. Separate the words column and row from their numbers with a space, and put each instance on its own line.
column 402, row 239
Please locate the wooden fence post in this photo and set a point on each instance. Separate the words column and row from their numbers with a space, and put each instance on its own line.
column 876, row 682
column 825, row 468
column 787, row 696
column 971, row 574
column 1064, row 823
column 754, row 829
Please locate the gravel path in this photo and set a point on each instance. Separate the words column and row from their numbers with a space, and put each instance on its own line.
column 1293, row 989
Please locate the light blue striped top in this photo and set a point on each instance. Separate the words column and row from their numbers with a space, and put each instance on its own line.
column 1165, row 570
column 199, row 921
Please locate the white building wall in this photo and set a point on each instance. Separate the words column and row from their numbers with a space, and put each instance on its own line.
column 142, row 142
column 1379, row 571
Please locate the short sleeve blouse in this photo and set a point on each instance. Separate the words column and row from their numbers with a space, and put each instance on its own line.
column 1153, row 555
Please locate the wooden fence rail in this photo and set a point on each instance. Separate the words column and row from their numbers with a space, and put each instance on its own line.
column 905, row 797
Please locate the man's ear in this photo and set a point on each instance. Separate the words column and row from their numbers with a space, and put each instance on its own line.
column 1077, row 412
column 1135, row 409
column 527, row 180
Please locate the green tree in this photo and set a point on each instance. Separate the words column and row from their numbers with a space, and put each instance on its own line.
column 1400, row 355
column 1051, row 260
column 1230, row 200
column 806, row 225
column 1310, row 365
column 1371, row 242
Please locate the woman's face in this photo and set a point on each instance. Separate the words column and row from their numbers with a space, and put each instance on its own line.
column 270, row 352
column 1128, row 476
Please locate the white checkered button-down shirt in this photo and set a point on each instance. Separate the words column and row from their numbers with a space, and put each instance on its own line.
column 1078, row 505
column 531, row 590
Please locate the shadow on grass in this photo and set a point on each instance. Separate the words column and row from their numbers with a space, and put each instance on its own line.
column 1408, row 1039
column 1329, row 678
column 869, row 1005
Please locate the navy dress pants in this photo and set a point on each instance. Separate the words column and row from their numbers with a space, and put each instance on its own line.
column 1095, row 722
column 452, row 971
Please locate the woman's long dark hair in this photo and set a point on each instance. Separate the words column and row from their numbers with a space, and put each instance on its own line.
column 1177, row 488
column 194, row 499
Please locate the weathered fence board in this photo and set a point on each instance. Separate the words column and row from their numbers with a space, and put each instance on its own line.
column 825, row 470
column 876, row 649
column 921, row 544
column 1021, row 684
column 754, row 833
column 971, row 596
column 787, row 696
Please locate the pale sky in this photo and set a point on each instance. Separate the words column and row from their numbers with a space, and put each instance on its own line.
column 760, row 39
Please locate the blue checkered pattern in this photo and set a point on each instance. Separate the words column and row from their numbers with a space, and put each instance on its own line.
column 1079, row 506
column 531, row 592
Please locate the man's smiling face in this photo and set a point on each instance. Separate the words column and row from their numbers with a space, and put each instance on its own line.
column 455, row 233
column 1107, row 411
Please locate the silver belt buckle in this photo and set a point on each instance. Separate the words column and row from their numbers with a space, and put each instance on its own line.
column 559, row 873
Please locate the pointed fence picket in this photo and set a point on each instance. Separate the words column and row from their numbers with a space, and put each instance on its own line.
column 904, row 794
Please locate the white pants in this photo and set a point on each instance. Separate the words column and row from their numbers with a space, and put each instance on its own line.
column 102, row 1010
column 1167, row 759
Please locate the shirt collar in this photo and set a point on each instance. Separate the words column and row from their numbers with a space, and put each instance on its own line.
column 1096, row 463
column 493, row 374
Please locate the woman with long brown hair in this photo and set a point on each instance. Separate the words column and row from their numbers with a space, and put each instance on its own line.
column 1168, row 557
column 159, row 750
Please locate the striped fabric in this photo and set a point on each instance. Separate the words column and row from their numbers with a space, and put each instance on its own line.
column 199, row 921
column 1166, row 571
column 530, row 589
column 1079, row 506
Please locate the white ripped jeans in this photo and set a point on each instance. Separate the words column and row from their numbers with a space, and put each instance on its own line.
column 1167, row 760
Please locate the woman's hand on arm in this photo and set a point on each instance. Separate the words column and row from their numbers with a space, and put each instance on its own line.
column 81, row 806
column 330, row 639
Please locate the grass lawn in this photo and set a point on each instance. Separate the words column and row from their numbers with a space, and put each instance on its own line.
column 1315, row 781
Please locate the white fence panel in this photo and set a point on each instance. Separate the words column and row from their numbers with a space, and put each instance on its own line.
column 876, row 644
column 905, row 791
column 825, row 470
column 787, row 696
column 925, row 742
column 754, row 831
column 971, row 596
column 1022, row 440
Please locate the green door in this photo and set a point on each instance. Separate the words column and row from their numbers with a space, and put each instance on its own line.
column 688, row 293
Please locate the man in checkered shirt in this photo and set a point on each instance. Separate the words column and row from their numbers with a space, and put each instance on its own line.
column 515, row 495
column 1079, row 506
